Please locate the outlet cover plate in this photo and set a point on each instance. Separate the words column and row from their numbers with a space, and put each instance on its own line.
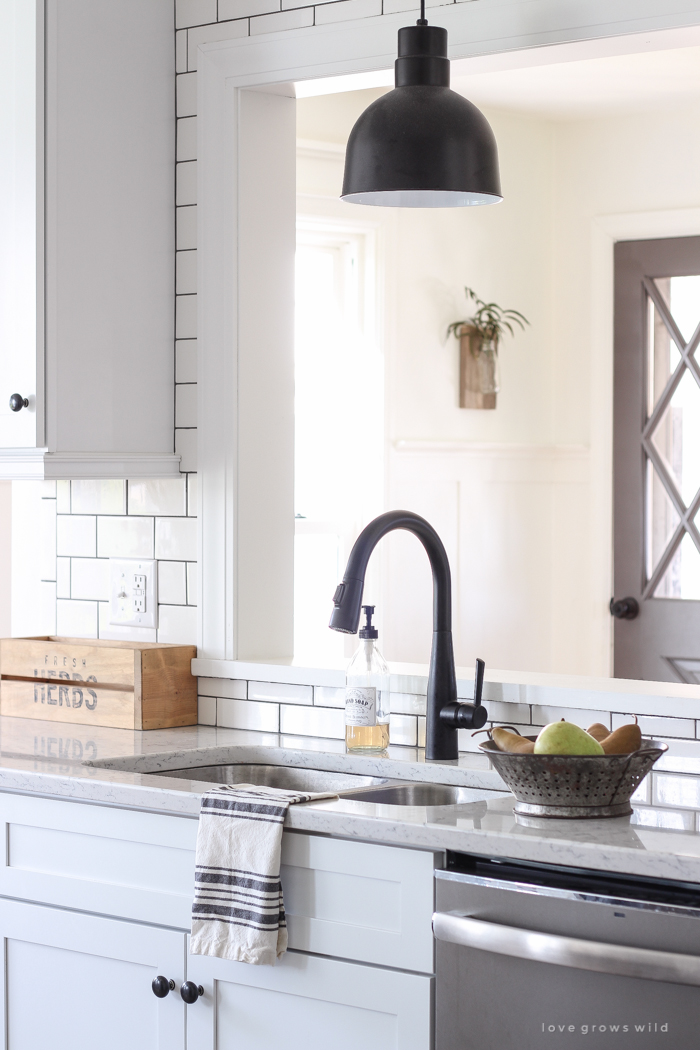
column 133, row 598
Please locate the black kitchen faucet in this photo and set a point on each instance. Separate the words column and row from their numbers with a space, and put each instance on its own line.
column 444, row 714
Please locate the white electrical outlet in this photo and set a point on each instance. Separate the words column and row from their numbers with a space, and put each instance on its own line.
column 133, row 593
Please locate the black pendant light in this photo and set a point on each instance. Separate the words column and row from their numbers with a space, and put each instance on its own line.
column 422, row 145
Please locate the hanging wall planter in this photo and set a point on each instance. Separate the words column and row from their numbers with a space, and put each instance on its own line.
column 479, row 337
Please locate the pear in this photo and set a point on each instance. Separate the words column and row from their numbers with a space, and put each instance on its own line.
column 564, row 738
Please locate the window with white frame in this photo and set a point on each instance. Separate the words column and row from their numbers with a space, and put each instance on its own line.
column 339, row 420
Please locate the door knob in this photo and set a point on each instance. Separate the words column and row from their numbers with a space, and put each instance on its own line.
column 191, row 992
column 161, row 986
column 624, row 608
column 17, row 402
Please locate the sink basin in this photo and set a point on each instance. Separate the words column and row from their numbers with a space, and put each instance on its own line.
column 290, row 777
column 417, row 794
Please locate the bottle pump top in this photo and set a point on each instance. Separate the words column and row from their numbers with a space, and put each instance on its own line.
column 367, row 630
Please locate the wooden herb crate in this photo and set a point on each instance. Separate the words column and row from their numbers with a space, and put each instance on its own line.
column 125, row 685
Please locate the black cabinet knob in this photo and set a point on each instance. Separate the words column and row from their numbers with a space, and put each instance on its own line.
column 161, row 986
column 17, row 402
column 624, row 608
column 191, row 992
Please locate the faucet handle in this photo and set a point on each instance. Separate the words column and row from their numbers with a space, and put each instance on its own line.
column 478, row 681
column 468, row 716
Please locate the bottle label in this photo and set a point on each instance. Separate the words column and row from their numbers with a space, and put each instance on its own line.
column 361, row 706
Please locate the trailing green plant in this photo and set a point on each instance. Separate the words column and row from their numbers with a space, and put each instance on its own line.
column 490, row 319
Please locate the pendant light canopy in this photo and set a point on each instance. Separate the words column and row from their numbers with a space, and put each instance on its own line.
column 422, row 145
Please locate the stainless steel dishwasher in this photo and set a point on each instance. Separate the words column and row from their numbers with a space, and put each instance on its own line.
column 531, row 958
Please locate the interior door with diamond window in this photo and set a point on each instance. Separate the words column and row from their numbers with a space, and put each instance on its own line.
column 657, row 459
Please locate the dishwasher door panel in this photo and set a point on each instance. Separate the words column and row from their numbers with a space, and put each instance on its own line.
column 489, row 1001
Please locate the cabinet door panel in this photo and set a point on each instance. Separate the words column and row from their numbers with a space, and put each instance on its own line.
column 359, row 900
column 76, row 982
column 306, row 1002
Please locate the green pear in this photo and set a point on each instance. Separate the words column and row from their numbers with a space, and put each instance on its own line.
column 564, row 738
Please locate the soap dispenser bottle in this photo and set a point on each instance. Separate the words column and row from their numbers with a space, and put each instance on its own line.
column 367, row 693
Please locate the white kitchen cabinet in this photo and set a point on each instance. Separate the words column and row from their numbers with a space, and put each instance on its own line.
column 305, row 1002
column 79, row 982
column 87, row 130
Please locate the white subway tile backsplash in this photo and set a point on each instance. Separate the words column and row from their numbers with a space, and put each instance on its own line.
column 246, row 714
column 583, row 718
column 176, row 539
column 47, row 546
column 407, row 703
column 186, row 227
column 224, row 31
column 658, row 727
column 98, row 497
column 670, row 819
column 186, row 316
column 125, row 537
column 181, row 51
column 206, row 710
column 344, row 10
column 178, row 624
column 115, row 632
column 194, row 12
column 47, row 489
column 233, row 688
column 63, row 497
column 192, row 495
column 186, row 272
column 391, row 7
column 326, row 696
column 186, row 94
column 245, row 8
column 186, row 183
column 289, row 694
column 172, row 583
column 403, row 729
column 186, row 405
column 90, row 579
column 670, row 790
column 186, row 448
column 282, row 21
column 63, row 578
column 312, row 721
column 191, row 582
column 76, row 619
column 186, row 361
column 186, row 139
column 421, row 730
column 76, row 535
column 510, row 714
column 166, row 496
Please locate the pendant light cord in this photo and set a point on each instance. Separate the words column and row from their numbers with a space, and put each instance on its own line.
column 422, row 21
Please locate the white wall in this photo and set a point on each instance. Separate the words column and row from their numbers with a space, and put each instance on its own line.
column 5, row 556
column 514, row 493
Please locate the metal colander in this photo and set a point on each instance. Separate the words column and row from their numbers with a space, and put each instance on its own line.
column 574, row 785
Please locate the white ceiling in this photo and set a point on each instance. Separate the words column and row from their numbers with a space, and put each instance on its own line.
column 590, row 87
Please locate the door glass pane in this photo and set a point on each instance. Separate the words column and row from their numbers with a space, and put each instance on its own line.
column 662, row 522
column 677, row 437
column 685, row 303
column 663, row 354
column 682, row 578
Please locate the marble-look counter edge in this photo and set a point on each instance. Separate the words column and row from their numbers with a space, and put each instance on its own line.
column 601, row 845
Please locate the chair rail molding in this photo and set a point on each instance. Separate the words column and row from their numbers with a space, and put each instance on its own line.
column 271, row 64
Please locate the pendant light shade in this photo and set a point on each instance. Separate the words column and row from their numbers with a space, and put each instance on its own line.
column 422, row 145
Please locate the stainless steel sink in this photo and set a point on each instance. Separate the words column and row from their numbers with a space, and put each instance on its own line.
column 291, row 777
column 415, row 794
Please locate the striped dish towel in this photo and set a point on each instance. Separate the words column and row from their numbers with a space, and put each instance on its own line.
column 238, row 911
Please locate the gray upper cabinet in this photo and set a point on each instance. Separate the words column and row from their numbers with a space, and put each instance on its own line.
column 87, row 149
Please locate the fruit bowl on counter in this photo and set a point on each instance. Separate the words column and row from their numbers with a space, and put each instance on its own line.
column 548, row 780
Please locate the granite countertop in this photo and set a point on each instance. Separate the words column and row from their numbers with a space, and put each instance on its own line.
column 119, row 768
